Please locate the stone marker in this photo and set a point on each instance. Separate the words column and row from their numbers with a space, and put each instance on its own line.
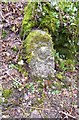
column 38, row 50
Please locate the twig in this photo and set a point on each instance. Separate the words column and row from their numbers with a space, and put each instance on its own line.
column 35, row 108
column 10, row 76
column 67, row 114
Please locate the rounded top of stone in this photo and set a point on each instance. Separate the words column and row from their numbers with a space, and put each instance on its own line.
column 42, row 32
column 38, row 35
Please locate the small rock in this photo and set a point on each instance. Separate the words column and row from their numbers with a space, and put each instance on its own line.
column 35, row 114
column 5, row 116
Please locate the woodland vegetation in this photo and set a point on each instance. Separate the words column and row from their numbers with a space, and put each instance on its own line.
column 22, row 96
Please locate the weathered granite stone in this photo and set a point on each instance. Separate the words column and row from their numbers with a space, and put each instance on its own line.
column 39, row 54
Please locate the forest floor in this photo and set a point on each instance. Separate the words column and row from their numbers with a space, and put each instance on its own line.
column 20, row 101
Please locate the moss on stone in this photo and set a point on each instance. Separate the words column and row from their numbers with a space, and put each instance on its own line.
column 35, row 18
column 28, row 21
column 32, row 39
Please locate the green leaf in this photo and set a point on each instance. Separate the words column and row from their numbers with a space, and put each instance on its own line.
column 11, row 66
column 55, row 92
column 4, row 33
column 59, row 76
column 6, row 93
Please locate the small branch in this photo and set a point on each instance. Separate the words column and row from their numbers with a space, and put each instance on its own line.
column 67, row 114
column 10, row 76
